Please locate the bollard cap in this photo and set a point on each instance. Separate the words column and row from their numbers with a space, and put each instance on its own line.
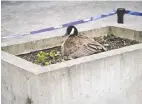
column 121, row 10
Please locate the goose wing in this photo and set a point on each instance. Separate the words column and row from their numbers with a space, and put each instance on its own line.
column 93, row 46
column 87, row 46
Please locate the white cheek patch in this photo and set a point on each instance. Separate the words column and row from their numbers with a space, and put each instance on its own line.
column 72, row 31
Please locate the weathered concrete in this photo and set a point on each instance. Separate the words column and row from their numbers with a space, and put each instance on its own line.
column 105, row 78
column 17, row 84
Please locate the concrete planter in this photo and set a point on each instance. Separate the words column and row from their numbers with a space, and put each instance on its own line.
column 106, row 78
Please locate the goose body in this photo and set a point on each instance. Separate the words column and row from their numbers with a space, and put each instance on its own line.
column 76, row 46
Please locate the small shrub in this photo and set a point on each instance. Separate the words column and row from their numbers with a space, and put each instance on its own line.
column 46, row 58
column 41, row 58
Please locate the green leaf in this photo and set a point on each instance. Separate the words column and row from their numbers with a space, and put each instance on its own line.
column 47, row 63
column 43, row 53
column 52, row 54
column 38, row 55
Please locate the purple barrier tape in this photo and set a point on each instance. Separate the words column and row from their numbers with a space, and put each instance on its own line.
column 133, row 13
column 64, row 25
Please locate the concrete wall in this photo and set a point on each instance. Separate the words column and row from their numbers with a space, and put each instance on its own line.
column 17, row 85
column 105, row 78
column 112, row 79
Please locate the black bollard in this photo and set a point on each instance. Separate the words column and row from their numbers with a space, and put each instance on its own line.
column 120, row 15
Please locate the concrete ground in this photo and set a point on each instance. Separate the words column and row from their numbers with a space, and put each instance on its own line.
column 20, row 17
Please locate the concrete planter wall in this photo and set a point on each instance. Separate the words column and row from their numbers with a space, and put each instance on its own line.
column 105, row 78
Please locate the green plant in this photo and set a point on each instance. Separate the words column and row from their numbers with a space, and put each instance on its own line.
column 41, row 58
column 47, row 63
column 52, row 54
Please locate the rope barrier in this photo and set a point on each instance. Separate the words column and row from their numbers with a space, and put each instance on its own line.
column 77, row 22
column 133, row 13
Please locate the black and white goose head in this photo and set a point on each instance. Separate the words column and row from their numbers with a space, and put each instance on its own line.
column 71, row 31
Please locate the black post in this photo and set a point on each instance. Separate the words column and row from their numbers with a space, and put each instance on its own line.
column 120, row 15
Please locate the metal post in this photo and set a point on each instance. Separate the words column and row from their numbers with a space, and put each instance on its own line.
column 120, row 15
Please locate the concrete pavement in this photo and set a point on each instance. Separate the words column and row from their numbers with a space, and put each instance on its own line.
column 20, row 17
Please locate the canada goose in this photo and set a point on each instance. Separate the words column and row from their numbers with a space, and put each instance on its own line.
column 76, row 46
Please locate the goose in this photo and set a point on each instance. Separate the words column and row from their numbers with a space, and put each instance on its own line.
column 76, row 46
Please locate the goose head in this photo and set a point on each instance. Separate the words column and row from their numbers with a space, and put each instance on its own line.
column 71, row 31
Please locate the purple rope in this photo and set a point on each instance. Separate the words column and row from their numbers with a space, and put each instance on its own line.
column 64, row 25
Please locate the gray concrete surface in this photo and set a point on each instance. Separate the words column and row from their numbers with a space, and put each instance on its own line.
column 105, row 78
column 20, row 17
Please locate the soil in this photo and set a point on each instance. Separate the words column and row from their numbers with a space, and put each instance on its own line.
column 32, row 56
column 110, row 42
